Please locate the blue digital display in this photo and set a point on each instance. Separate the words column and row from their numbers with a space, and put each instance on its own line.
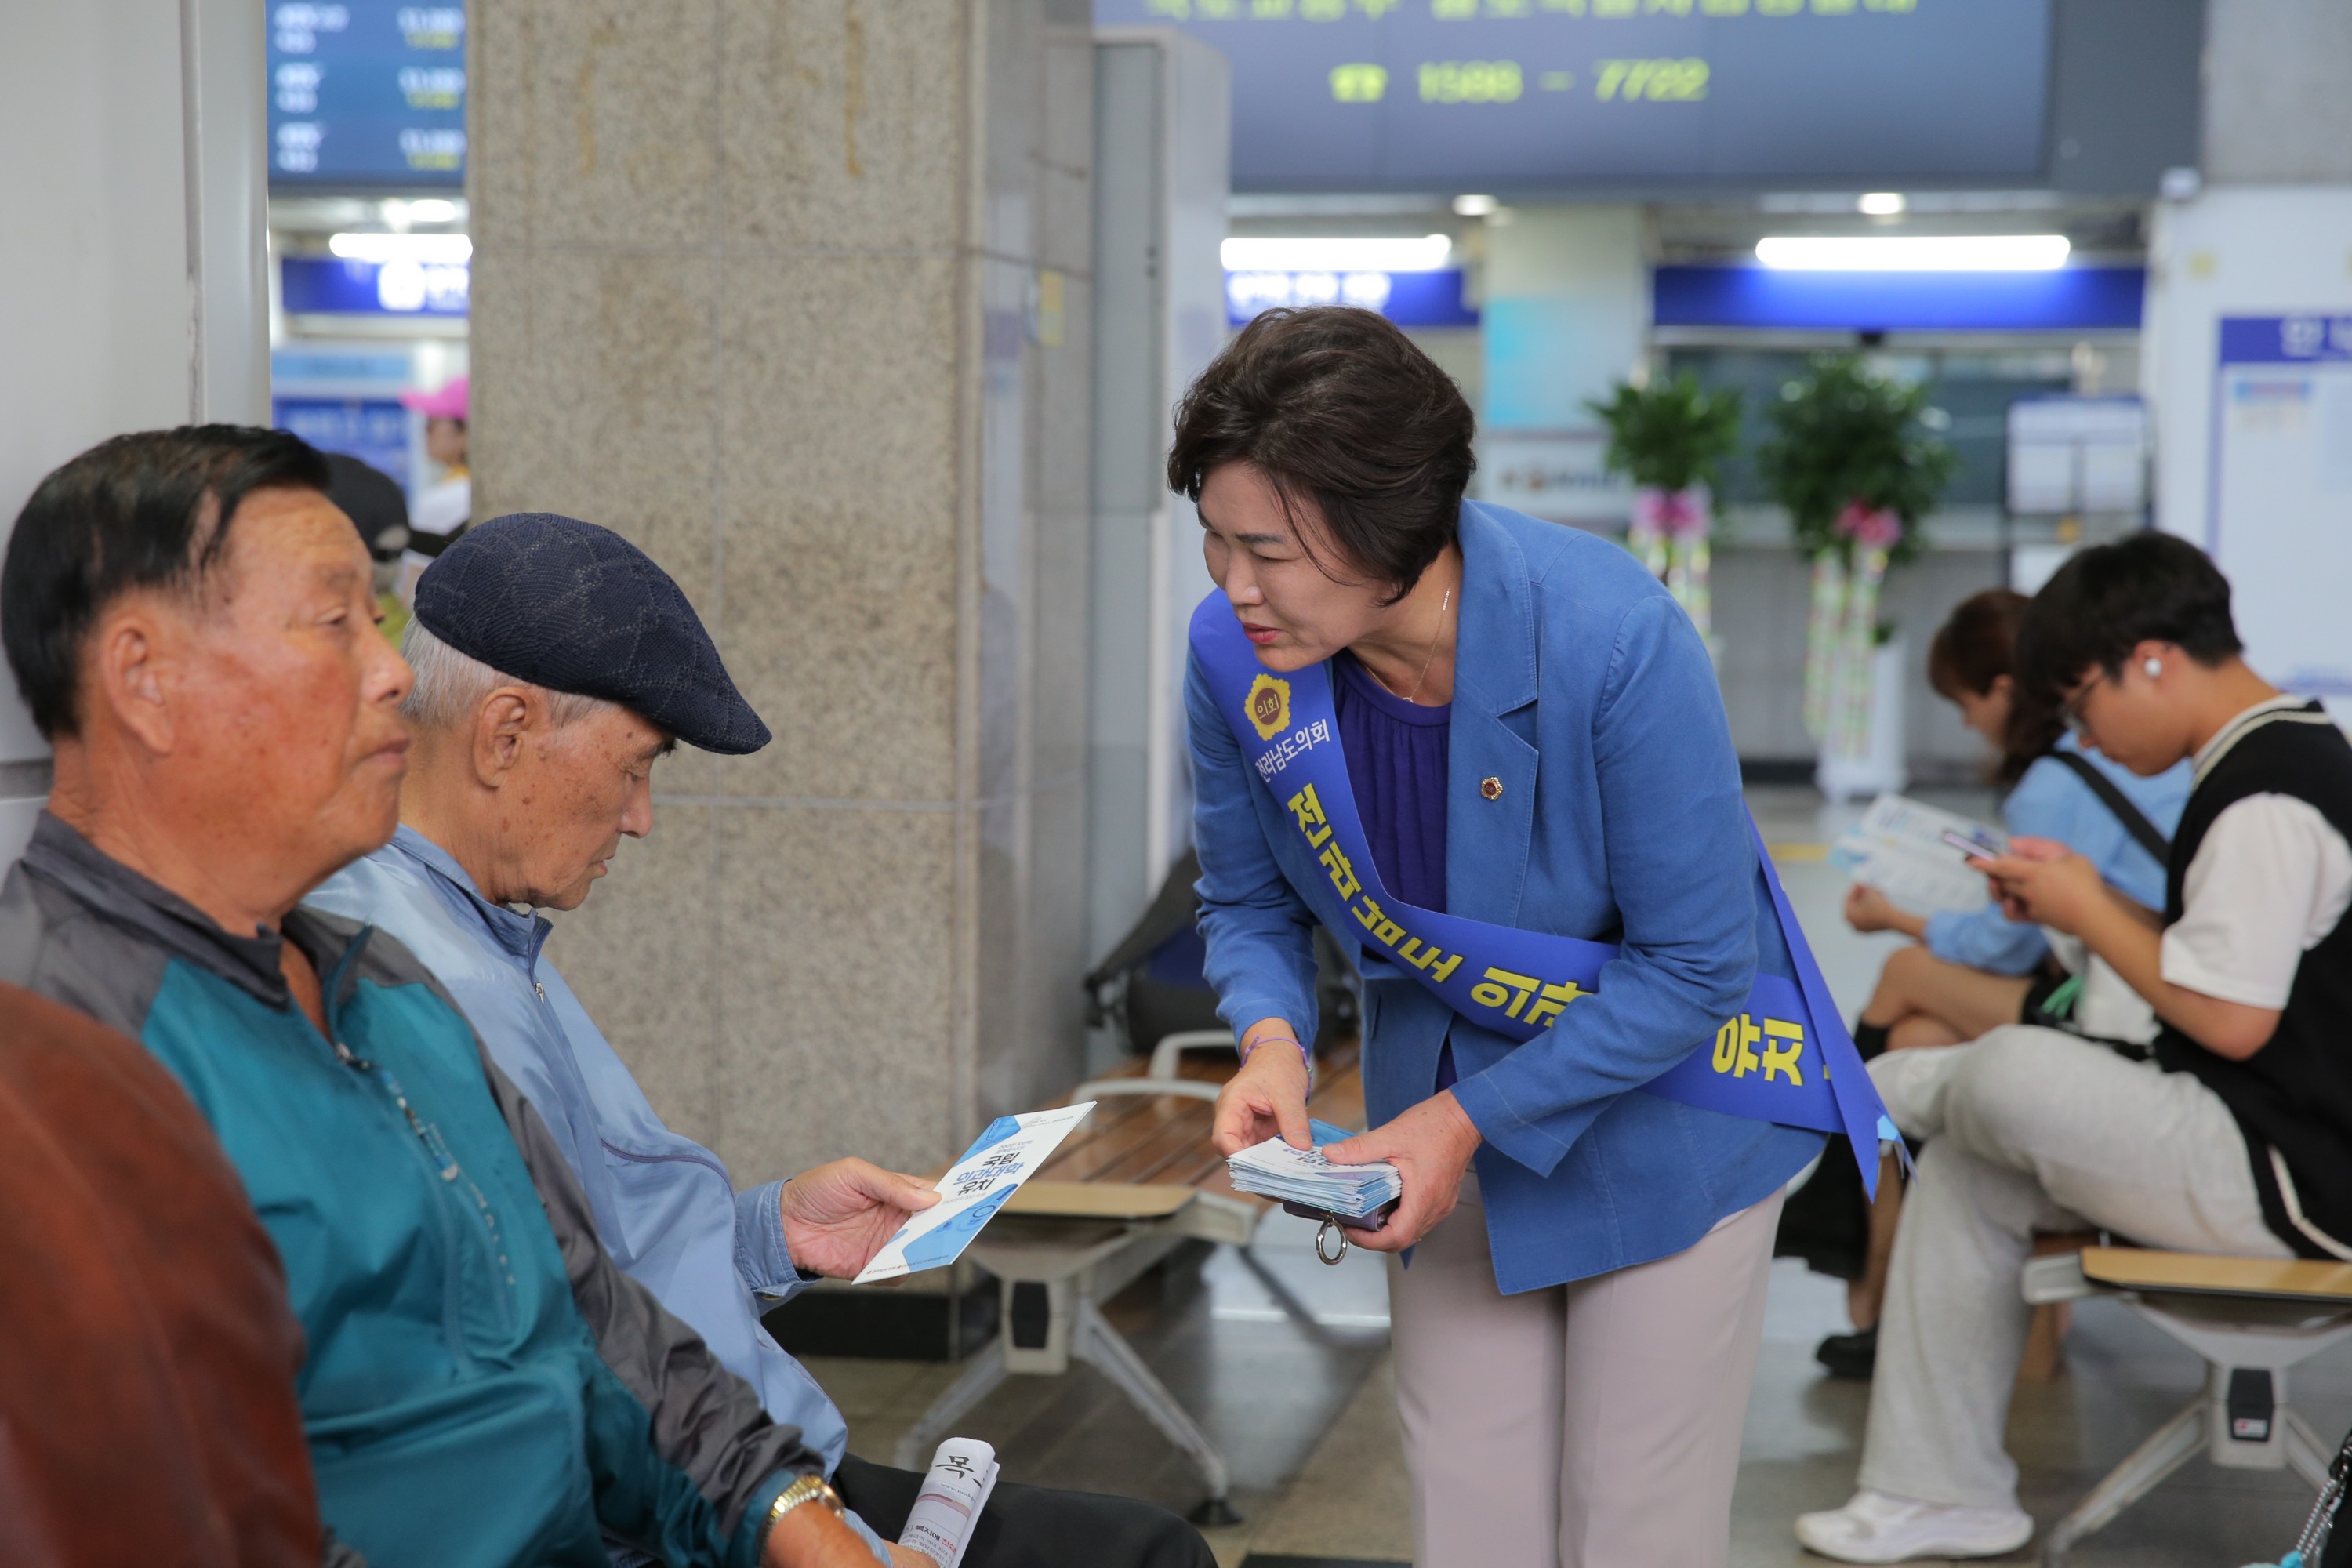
column 1408, row 299
column 322, row 285
column 367, row 94
column 1513, row 95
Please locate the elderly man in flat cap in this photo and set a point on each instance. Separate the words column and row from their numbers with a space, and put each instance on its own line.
column 555, row 665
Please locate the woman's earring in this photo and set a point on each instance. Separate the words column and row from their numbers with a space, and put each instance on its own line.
column 2153, row 667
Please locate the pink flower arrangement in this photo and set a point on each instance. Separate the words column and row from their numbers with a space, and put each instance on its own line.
column 1872, row 528
column 1677, row 514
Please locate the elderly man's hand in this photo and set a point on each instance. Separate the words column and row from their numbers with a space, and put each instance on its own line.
column 810, row 1537
column 837, row 1216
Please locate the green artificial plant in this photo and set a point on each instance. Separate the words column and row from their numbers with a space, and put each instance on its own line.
column 1845, row 436
column 1670, row 435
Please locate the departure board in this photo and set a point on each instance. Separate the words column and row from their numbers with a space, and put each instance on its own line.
column 1503, row 95
column 367, row 94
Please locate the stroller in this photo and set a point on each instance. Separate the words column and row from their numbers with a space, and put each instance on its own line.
column 1150, row 985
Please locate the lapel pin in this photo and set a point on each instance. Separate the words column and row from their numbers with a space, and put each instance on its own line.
column 1491, row 787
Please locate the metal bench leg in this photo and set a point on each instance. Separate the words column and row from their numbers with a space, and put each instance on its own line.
column 1101, row 1346
column 2306, row 1455
column 2162, row 1454
column 978, row 1382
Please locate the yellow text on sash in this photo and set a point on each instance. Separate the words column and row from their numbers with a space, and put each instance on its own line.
column 1737, row 1052
column 1528, row 998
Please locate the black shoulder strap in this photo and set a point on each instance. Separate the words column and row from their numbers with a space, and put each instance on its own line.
column 2134, row 820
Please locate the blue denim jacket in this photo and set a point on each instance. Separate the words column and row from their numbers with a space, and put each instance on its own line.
column 665, row 1206
column 2051, row 802
column 1582, row 692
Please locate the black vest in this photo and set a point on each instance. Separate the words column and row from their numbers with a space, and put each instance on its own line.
column 2293, row 1096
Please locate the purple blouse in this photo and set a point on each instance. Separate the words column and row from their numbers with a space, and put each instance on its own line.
column 1396, row 762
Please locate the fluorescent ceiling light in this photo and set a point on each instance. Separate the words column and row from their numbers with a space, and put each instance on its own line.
column 433, row 209
column 1883, row 204
column 1426, row 254
column 1473, row 207
column 443, row 248
column 1915, row 253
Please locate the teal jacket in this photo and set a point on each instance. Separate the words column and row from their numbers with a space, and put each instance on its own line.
column 482, row 1387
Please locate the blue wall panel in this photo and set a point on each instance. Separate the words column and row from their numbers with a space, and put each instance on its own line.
column 2078, row 298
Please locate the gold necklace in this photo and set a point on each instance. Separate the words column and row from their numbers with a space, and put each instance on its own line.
column 1431, row 657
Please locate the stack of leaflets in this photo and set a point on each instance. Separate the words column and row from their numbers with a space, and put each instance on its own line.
column 962, row 1474
column 1914, row 854
column 1303, row 1177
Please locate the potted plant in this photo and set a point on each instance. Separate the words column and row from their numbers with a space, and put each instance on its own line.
column 1854, row 459
column 1667, row 437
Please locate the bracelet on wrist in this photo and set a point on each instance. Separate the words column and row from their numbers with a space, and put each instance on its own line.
column 1250, row 1047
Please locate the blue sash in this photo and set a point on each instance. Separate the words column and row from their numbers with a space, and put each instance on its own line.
column 1784, row 1057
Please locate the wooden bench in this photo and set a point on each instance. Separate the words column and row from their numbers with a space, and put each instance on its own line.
column 2251, row 1319
column 1139, row 1179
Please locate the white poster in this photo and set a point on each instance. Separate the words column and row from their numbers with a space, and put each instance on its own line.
column 2281, row 522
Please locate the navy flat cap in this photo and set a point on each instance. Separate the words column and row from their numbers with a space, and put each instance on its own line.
column 575, row 608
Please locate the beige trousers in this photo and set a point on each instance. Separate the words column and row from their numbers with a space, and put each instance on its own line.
column 2028, row 1130
column 1594, row 1424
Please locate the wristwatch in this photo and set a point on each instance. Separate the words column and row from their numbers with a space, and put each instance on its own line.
column 810, row 1487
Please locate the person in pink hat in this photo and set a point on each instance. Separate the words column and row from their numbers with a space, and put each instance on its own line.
column 442, row 512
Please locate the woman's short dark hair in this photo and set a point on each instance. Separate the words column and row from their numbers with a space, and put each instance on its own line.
column 1975, row 646
column 1335, row 405
column 2110, row 598
column 130, row 513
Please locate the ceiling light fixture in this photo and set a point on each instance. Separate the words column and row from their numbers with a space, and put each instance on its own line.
column 1883, row 204
column 444, row 249
column 1426, row 254
column 1475, row 207
column 1915, row 253
column 433, row 209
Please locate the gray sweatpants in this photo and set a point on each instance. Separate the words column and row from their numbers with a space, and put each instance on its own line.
column 2028, row 1130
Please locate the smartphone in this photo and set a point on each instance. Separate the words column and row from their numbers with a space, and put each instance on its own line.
column 1975, row 846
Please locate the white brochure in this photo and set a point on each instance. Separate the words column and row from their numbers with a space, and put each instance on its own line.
column 1898, row 849
column 1007, row 1154
column 962, row 1474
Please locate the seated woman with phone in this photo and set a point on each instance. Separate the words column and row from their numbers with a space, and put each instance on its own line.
column 1976, row 970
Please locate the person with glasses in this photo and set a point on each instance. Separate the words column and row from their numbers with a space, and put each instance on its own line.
column 2236, row 1138
column 1971, row 971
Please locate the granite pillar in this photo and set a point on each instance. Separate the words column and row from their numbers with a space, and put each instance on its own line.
column 794, row 294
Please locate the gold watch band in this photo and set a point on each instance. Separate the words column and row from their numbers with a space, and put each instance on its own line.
column 808, row 1488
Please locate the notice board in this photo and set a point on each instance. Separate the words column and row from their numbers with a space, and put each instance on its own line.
column 2279, row 524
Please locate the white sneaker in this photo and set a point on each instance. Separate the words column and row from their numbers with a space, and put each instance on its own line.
column 1877, row 1528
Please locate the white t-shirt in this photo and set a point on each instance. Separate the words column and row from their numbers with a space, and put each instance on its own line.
column 2269, row 879
column 445, row 504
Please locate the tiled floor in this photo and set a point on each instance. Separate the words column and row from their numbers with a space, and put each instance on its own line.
column 1300, row 1404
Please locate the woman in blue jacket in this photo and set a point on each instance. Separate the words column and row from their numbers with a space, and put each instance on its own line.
column 1535, row 741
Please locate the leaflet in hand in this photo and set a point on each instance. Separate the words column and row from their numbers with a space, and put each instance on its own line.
column 962, row 1474
column 1898, row 847
column 974, row 1188
column 1303, row 1177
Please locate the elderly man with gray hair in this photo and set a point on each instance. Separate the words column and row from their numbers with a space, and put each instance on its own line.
column 555, row 665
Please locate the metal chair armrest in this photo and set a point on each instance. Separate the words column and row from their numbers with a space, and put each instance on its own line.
column 1187, row 1087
